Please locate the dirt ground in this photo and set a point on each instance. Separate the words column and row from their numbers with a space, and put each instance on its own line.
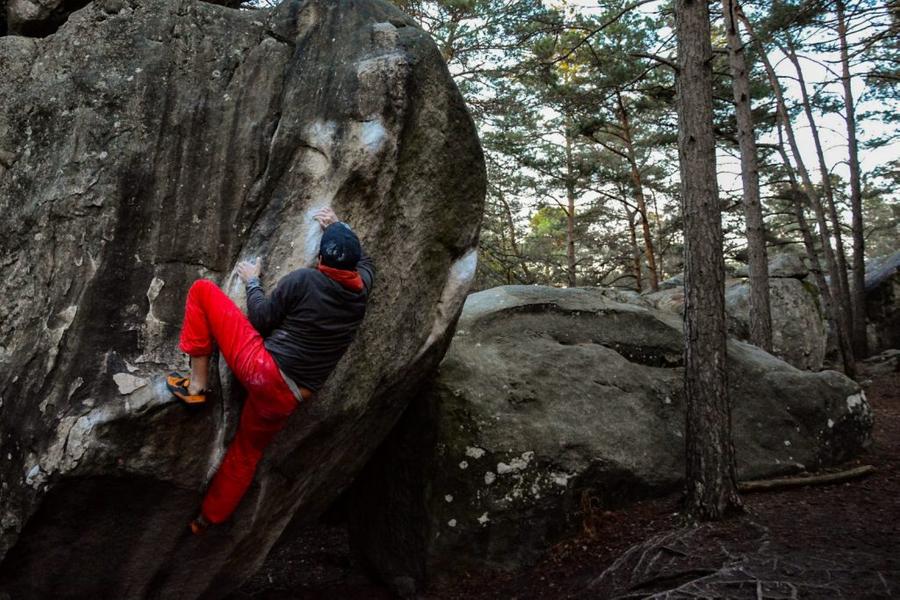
column 830, row 541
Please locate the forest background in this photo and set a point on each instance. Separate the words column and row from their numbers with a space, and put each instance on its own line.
column 575, row 104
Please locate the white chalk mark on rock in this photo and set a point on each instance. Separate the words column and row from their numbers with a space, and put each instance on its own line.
column 128, row 383
column 459, row 280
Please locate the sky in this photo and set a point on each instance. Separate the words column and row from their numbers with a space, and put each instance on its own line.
column 832, row 128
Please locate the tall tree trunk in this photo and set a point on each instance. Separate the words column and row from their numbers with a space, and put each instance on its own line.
column 514, row 244
column 860, row 341
column 808, row 242
column 660, row 270
column 570, row 212
column 635, row 250
column 842, row 296
column 625, row 123
column 841, row 332
column 711, row 490
column 760, row 312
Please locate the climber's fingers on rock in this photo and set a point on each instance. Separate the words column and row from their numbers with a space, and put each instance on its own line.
column 247, row 270
column 326, row 216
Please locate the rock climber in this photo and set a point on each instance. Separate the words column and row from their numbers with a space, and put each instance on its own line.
column 282, row 354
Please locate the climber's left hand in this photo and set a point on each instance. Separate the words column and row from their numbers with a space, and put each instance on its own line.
column 247, row 270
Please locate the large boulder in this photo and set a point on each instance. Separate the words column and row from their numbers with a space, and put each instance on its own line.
column 553, row 403
column 883, row 302
column 784, row 264
column 36, row 17
column 145, row 144
column 799, row 332
column 39, row 18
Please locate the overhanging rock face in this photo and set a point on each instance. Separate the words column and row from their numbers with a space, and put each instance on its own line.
column 147, row 143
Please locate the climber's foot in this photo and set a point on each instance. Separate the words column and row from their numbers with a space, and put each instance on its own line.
column 199, row 525
column 181, row 389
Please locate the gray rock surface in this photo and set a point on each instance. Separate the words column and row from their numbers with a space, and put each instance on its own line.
column 676, row 281
column 150, row 142
column 550, row 398
column 883, row 302
column 786, row 264
column 881, row 364
column 799, row 332
column 38, row 17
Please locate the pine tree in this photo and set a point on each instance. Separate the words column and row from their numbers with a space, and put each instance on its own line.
column 760, row 312
column 711, row 488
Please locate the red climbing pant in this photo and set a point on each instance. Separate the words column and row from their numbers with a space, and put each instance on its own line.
column 210, row 316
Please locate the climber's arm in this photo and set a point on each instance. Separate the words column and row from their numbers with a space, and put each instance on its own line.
column 366, row 269
column 267, row 313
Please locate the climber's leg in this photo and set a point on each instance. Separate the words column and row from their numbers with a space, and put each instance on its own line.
column 265, row 413
column 199, row 374
column 211, row 316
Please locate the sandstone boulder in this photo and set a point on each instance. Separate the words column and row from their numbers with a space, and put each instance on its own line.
column 883, row 302
column 788, row 264
column 785, row 264
column 799, row 332
column 552, row 400
column 37, row 17
column 144, row 144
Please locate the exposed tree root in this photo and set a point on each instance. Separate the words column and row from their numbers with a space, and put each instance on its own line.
column 763, row 485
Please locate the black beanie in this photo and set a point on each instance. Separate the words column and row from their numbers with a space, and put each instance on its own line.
column 340, row 247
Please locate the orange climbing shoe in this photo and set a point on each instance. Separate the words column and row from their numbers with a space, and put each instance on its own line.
column 199, row 525
column 179, row 385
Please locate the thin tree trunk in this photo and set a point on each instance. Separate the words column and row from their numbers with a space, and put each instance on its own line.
column 570, row 213
column 511, row 228
column 760, row 312
column 636, row 180
column 660, row 271
column 711, row 485
column 842, row 285
column 808, row 242
column 860, row 341
column 841, row 331
column 635, row 250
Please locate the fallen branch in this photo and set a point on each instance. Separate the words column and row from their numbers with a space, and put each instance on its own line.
column 762, row 485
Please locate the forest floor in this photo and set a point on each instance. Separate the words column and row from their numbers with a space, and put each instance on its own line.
column 829, row 541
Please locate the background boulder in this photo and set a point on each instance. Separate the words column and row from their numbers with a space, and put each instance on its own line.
column 551, row 403
column 147, row 143
column 37, row 17
column 883, row 302
column 799, row 332
column 783, row 265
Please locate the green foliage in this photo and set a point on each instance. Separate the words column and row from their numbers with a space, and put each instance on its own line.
column 569, row 97
column 881, row 211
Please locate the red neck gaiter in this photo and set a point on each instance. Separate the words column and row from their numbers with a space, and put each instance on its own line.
column 349, row 279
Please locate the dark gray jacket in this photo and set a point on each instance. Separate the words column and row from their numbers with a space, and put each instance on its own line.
column 309, row 320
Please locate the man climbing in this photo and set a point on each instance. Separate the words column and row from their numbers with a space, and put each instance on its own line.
column 282, row 354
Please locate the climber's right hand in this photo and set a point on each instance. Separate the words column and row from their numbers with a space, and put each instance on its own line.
column 326, row 216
